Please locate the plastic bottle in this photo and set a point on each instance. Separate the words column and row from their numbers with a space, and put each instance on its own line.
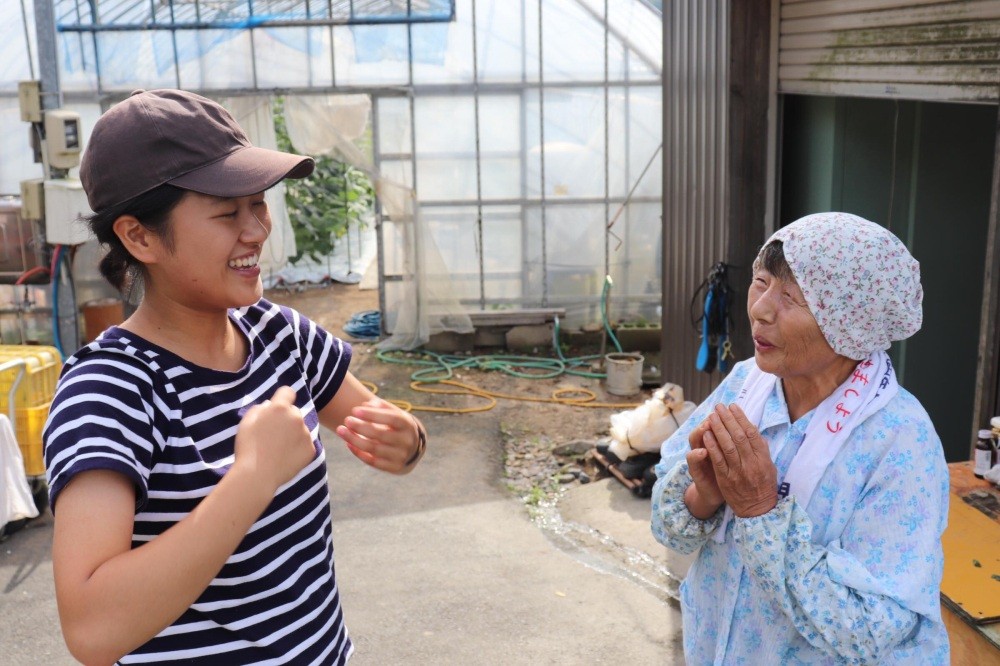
column 983, row 453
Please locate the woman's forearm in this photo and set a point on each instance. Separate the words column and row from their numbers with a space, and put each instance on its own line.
column 673, row 523
column 109, row 607
column 697, row 505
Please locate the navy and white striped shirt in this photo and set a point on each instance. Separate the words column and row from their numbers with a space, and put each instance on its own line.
column 126, row 405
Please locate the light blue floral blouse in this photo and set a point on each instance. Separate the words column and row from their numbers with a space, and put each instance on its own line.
column 853, row 578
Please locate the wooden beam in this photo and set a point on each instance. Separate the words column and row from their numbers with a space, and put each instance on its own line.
column 749, row 79
column 987, row 400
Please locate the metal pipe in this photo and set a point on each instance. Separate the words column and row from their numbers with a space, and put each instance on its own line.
column 12, row 394
column 48, row 55
column 541, row 155
column 379, row 225
column 480, row 249
column 245, row 24
column 485, row 88
column 607, row 165
column 551, row 203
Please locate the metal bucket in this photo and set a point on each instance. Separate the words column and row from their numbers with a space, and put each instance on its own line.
column 624, row 373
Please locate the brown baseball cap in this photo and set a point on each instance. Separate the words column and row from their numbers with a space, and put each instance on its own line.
column 172, row 136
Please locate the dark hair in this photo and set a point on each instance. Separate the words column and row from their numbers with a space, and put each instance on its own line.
column 152, row 209
column 772, row 260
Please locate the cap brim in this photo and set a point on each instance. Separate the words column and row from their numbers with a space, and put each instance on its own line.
column 245, row 172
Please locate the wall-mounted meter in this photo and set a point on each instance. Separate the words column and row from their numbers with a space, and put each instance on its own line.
column 63, row 138
column 29, row 97
column 65, row 204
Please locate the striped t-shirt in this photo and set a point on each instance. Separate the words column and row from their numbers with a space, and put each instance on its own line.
column 126, row 405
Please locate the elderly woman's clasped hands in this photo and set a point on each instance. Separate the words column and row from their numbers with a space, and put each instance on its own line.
column 730, row 464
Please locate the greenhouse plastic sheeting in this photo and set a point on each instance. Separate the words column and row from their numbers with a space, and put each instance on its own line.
column 516, row 147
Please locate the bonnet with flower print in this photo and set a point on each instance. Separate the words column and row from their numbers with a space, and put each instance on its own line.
column 861, row 283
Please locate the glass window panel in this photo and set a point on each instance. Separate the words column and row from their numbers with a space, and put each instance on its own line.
column 215, row 59
column 17, row 163
column 573, row 260
column 502, row 263
column 445, row 125
column 499, row 123
column 442, row 52
column 395, row 292
column 574, row 143
column 571, row 37
column 636, row 264
column 394, row 246
column 532, row 244
column 530, row 60
column 130, row 60
column 77, row 70
column 618, row 144
column 395, row 10
column 369, row 55
column 533, row 148
column 446, row 179
column 500, row 146
column 293, row 57
column 446, row 148
column 397, row 171
column 641, row 27
column 501, row 177
column 454, row 232
column 645, row 133
column 639, row 70
column 393, row 125
column 14, row 64
column 499, row 36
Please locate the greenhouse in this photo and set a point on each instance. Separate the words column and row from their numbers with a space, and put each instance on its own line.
column 513, row 148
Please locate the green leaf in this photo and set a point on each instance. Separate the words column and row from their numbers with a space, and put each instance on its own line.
column 323, row 206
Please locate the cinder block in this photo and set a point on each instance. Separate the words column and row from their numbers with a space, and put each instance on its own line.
column 640, row 339
column 581, row 338
column 491, row 336
column 448, row 342
column 527, row 338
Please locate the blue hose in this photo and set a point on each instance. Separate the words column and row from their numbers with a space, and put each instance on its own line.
column 604, row 313
column 57, row 268
column 366, row 325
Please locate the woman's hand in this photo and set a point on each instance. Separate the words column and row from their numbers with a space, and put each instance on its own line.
column 703, row 497
column 272, row 440
column 383, row 436
column 747, row 478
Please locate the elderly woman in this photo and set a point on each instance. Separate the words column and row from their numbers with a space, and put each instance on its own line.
column 814, row 484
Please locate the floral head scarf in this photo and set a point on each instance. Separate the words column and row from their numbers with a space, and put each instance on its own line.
column 861, row 283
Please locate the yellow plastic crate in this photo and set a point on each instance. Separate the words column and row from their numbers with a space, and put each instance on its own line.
column 41, row 373
column 30, row 423
column 38, row 368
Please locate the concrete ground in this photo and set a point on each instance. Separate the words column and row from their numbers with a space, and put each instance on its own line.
column 444, row 566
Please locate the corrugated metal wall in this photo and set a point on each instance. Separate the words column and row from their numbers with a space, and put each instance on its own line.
column 914, row 49
column 695, row 92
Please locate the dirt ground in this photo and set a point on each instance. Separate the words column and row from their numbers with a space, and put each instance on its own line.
column 531, row 431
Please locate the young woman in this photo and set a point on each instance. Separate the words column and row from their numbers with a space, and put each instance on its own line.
column 185, row 468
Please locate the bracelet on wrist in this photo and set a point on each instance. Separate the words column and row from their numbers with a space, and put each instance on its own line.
column 421, row 445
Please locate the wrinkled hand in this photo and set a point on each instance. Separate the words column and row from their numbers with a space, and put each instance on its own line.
column 746, row 476
column 272, row 441
column 704, row 496
column 381, row 435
